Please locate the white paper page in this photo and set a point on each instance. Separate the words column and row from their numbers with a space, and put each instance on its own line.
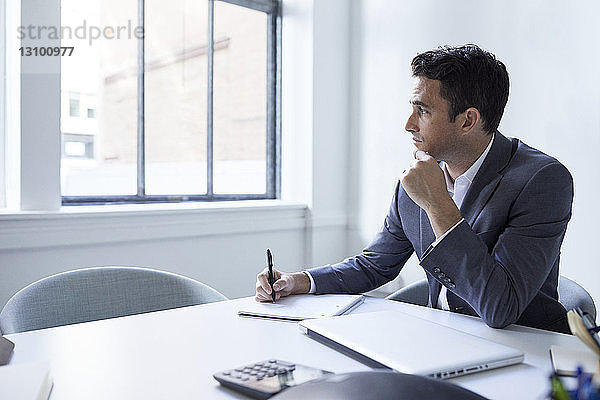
column 567, row 360
column 301, row 307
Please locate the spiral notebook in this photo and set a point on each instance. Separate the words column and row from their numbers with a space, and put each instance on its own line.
column 301, row 307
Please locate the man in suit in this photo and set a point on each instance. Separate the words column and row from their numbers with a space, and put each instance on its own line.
column 485, row 214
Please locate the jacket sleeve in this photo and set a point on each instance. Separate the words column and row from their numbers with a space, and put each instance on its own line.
column 380, row 262
column 499, row 283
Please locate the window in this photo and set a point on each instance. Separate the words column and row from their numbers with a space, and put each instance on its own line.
column 77, row 146
column 74, row 104
column 181, row 100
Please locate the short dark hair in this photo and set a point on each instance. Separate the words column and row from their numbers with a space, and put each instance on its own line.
column 469, row 77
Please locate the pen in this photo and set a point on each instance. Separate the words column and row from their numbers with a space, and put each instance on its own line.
column 271, row 276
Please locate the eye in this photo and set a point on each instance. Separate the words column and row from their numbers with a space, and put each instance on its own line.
column 421, row 110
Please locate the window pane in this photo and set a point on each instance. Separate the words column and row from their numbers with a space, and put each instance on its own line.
column 74, row 105
column 176, row 96
column 77, row 146
column 99, row 147
column 240, row 99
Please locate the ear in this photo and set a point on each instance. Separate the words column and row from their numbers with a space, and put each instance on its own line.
column 470, row 119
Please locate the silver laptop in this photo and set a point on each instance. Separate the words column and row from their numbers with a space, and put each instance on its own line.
column 390, row 339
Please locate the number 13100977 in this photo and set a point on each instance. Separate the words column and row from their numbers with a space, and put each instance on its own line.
column 46, row 51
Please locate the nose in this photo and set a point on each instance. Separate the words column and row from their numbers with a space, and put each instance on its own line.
column 411, row 125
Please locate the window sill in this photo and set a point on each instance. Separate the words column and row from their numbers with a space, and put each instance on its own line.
column 81, row 225
column 153, row 208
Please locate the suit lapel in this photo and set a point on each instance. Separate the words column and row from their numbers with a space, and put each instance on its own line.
column 487, row 179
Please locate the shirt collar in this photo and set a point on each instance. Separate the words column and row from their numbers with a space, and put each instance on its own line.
column 469, row 174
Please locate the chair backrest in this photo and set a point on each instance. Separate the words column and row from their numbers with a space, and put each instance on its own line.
column 415, row 293
column 91, row 294
column 570, row 295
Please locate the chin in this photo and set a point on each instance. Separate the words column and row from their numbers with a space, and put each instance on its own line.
column 419, row 146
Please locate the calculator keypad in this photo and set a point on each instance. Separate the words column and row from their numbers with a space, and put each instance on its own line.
column 260, row 370
column 263, row 379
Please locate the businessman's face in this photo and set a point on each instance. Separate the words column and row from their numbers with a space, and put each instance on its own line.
column 429, row 124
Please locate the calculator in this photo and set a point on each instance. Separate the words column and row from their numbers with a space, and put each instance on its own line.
column 264, row 379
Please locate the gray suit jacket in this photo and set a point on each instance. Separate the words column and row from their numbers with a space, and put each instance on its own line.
column 501, row 263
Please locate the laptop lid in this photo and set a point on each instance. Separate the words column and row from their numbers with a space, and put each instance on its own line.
column 408, row 344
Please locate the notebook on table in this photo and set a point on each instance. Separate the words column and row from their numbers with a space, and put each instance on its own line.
column 301, row 307
column 395, row 340
column 565, row 360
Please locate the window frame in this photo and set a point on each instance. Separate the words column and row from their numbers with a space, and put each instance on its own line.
column 3, row 28
column 273, row 124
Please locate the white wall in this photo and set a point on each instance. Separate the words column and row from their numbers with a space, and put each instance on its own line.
column 223, row 245
column 224, row 249
column 315, row 120
column 330, row 131
column 551, row 50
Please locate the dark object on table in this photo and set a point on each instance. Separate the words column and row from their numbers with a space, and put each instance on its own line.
column 377, row 384
column 6, row 348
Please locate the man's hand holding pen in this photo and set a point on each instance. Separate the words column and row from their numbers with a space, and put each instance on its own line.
column 284, row 285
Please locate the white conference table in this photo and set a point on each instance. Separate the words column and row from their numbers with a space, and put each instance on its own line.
column 172, row 354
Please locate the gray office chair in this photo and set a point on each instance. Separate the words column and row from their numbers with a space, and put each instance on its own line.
column 570, row 295
column 91, row 294
column 415, row 293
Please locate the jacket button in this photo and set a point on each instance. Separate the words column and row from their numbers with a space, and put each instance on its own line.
column 436, row 270
column 441, row 275
column 451, row 285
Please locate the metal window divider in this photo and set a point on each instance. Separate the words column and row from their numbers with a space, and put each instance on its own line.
column 141, row 140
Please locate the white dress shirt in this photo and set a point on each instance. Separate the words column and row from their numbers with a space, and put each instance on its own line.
column 458, row 190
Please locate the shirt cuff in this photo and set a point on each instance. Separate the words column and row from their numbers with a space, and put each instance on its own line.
column 313, row 288
column 437, row 241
